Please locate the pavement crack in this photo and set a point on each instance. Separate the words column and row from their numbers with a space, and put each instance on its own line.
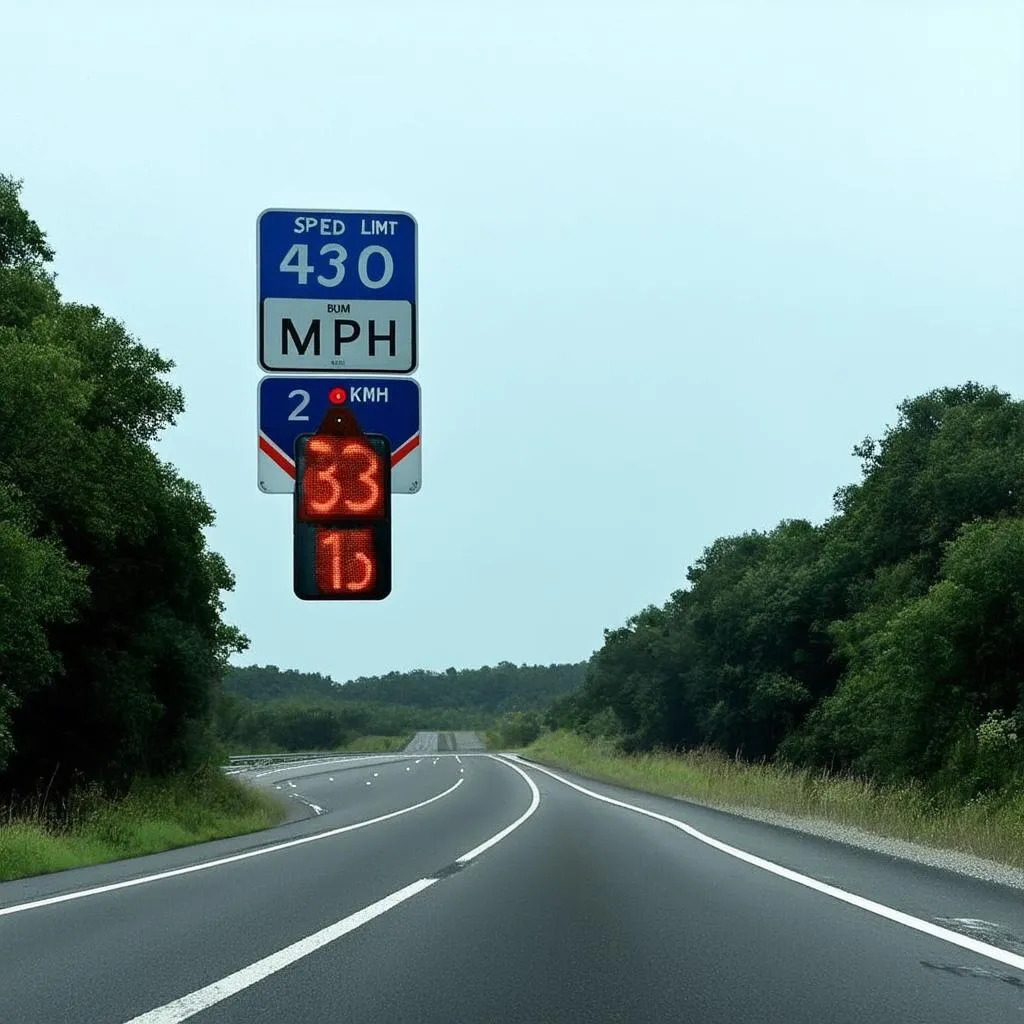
column 448, row 870
column 992, row 932
column 976, row 972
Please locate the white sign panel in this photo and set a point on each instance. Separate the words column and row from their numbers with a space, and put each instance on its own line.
column 358, row 336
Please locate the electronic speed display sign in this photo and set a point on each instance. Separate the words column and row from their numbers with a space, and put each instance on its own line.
column 337, row 291
column 342, row 522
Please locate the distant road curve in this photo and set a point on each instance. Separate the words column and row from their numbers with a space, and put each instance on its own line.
column 445, row 742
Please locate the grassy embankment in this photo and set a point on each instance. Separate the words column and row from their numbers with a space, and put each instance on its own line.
column 992, row 828
column 154, row 816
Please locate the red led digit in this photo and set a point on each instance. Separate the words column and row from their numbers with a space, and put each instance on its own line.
column 346, row 562
column 343, row 477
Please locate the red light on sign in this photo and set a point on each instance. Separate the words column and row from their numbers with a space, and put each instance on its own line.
column 342, row 478
column 346, row 562
column 337, row 396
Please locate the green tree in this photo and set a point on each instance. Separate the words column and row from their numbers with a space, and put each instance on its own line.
column 492, row 690
column 885, row 639
column 129, row 643
column 928, row 670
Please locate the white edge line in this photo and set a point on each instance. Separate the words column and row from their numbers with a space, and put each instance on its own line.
column 203, row 998
column 1002, row 956
column 66, row 897
column 534, row 803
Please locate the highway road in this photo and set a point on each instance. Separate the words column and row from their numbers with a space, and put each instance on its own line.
column 466, row 887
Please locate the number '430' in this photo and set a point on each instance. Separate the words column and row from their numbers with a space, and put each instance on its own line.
column 296, row 261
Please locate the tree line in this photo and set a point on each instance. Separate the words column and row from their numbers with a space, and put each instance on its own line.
column 887, row 641
column 266, row 708
column 493, row 689
column 112, row 641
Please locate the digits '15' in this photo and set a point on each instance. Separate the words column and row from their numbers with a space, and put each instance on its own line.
column 342, row 517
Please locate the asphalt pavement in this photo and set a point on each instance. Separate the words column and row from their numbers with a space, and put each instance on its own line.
column 434, row 886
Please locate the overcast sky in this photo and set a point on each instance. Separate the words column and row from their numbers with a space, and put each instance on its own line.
column 675, row 260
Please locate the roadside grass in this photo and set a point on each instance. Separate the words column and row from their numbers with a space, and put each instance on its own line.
column 992, row 827
column 376, row 744
column 155, row 815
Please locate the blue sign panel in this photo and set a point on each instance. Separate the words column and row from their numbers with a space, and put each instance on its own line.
column 337, row 291
column 290, row 406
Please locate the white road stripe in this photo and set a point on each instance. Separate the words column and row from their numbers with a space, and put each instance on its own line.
column 984, row 949
column 488, row 843
column 203, row 998
column 459, row 759
column 66, row 897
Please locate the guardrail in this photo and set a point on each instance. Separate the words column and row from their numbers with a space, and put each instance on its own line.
column 238, row 760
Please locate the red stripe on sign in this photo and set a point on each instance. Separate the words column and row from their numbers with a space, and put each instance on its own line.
column 289, row 467
column 400, row 453
column 286, row 464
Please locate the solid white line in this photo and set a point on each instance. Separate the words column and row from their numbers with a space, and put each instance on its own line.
column 49, row 901
column 488, row 843
column 1002, row 956
column 203, row 998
